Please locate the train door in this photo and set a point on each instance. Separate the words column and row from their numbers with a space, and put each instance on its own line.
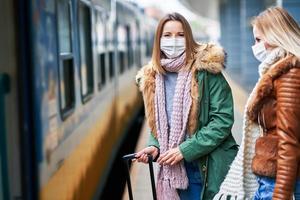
column 10, row 166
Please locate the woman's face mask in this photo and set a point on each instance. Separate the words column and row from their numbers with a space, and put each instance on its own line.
column 172, row 46
column 172, row 41
column 260, row 48
column 260, row 51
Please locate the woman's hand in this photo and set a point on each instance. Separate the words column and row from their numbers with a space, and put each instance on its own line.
column 170, row 157
column 142, row 156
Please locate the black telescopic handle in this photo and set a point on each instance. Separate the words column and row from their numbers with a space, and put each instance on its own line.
column 150, row 161
column 127, row 158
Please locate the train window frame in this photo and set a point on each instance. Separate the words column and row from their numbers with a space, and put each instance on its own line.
column 111, row 64
column 129, row 46
column 101, row 68
column 65, row 111
column 100, row 54
column 110, row 50
column 122, row 65
column 90, row 75
column 138, row 53
column 122, row 48
column 134, row 35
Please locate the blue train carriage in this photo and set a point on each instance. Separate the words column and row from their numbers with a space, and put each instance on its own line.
column 74, row 69
column 86, row 131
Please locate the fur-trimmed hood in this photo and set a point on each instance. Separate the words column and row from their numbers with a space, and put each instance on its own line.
column 208, row 57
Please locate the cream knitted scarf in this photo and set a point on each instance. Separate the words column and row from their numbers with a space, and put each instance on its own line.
column 240, row 183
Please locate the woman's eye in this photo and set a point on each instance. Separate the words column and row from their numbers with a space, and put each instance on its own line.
column 166, row 35
column 181, row 34
column 257, row 39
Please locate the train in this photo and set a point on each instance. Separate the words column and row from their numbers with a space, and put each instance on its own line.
column 68, row 97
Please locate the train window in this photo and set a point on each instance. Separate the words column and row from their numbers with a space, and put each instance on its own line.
column 66, row 58
column 148, row 42
column 64, row 26
column 129, row 47
column 100, row 49
column 111, row 65
column 138, row 54
column 85, row 39
column 122, row 61
column 110, row 47
column 122, row 48
column 101, row 71
column 67, row 96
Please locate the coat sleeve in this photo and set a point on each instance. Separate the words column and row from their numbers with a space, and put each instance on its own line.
column 220, row 120
column 152, row 141
column 288, row 129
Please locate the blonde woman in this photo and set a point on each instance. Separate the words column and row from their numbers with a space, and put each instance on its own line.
column 267, row 165
column 189, row 110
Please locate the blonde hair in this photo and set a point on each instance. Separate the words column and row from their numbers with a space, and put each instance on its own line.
column 190, row 43
column 278, row 28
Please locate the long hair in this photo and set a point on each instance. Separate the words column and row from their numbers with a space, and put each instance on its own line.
column 190, row 43
column 278, row 28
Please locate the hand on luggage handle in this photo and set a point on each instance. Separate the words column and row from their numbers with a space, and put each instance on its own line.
column 130, row 157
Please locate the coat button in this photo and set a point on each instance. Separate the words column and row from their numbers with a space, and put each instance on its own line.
column 204, row 168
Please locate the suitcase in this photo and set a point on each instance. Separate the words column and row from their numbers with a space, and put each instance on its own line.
column 127, row 159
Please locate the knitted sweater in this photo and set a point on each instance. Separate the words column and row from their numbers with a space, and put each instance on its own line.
column 170, row 83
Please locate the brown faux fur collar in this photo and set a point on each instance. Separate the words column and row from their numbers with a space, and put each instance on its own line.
column 265, row 86
column 208, row 57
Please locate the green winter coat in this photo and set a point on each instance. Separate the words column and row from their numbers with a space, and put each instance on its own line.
column 210, row 119
column 212, row 145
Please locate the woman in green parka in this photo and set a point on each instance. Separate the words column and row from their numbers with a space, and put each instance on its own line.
column 189, row 110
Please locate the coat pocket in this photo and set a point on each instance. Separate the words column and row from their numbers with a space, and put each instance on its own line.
column 264, row 162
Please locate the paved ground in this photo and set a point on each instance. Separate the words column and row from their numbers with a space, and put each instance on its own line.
column 240, row 96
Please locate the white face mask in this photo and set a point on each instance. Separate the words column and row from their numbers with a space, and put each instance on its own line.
column 172, row 47
column 260, row 51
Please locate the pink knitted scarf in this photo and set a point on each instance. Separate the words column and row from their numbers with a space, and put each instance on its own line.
column 171, row 178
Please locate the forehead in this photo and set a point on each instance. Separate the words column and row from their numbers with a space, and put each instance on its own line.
column 173, row 26
column 256, row 32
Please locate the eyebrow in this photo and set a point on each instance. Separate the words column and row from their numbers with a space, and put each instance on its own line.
column 170, row 32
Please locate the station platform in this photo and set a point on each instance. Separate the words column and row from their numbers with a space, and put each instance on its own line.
column 140, row 176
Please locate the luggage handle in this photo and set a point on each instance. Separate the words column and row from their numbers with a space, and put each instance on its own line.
column 127, row 159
